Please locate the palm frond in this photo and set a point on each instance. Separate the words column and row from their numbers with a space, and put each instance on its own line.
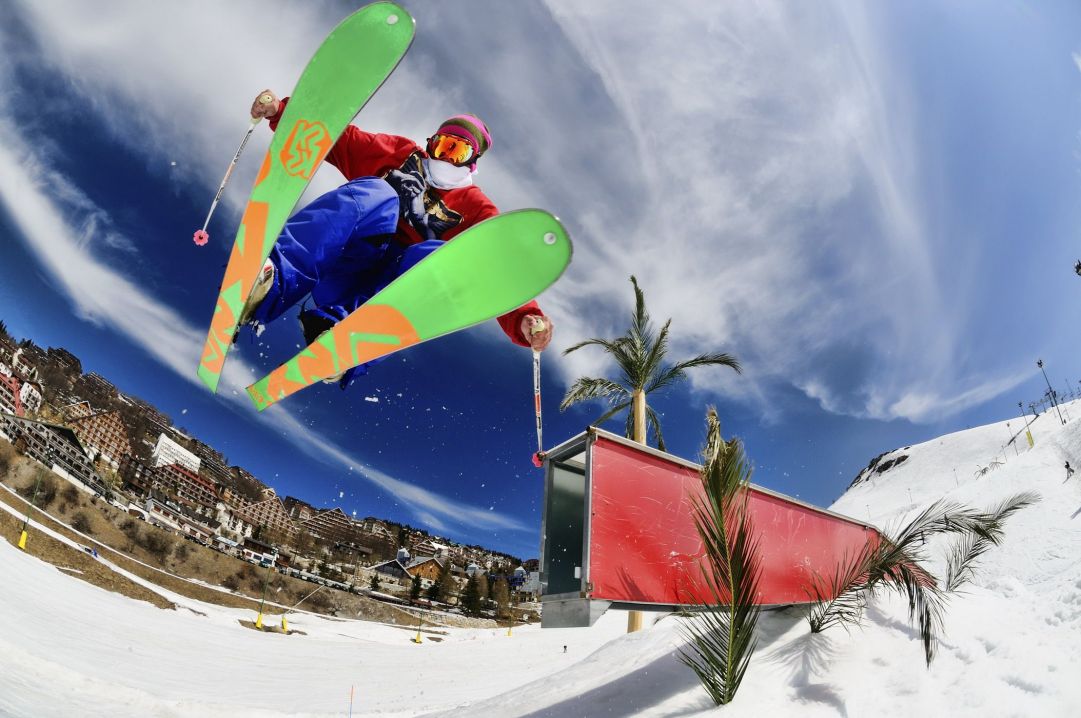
column 926, row 602
column 668, row 377
column 996, row 517
column 678, row 372
column 608, row 345
column 711, row 359
column 640, row 321
column 586, row 388
column 895, row 564
column 898, row 568
column 652, row 420
column 628, row 359
column 655, row 353
column 612, row 412
column 840, row 597
column 972, row 545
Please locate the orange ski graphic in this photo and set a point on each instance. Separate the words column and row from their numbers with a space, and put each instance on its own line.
column 370, row 332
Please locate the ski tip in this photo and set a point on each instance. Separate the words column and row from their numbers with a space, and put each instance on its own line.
column 200, row 237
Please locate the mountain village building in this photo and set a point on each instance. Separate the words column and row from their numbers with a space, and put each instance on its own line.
column 332, row 525
column 55, row 446
column 167, row 451
column 268, row 513
column 31, row 396
column 103, row 433
column 190, row 489
column 10, row 401
column 65, row 360
column 99, row 385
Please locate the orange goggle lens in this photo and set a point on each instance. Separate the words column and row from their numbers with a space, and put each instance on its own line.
column 450, row 149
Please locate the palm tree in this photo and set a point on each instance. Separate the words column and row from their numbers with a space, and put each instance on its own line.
column 640, row 355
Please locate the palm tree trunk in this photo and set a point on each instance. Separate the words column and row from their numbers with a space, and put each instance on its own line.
column 639, row 399
column 635, row 618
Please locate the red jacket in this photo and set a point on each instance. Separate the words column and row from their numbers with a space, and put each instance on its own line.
column 447, row 213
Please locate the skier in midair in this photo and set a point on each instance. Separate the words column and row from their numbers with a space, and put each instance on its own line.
column 401, row 203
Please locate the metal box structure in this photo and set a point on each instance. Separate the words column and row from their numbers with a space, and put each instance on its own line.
column 618, row 531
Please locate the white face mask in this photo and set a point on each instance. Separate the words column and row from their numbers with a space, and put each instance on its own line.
column 444, row 175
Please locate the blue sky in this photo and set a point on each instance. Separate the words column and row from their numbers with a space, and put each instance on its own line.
column 873, row 206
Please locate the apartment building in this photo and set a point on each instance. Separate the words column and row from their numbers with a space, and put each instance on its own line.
column 103, row 433
column 167, row 452
column 57, row 447
column 268, row 513
column 332, row 525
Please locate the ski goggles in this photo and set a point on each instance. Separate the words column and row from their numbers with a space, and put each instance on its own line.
column 449, row 148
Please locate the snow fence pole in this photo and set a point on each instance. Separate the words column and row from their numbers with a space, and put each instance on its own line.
column 201, row 237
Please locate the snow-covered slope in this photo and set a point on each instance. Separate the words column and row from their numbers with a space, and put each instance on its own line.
column 1010, row 646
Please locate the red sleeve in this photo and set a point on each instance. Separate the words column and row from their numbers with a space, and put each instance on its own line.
column 361, row 154
column 511, row 322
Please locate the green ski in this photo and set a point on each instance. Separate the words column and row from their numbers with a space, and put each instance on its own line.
column 488, row 270
column 346, row 70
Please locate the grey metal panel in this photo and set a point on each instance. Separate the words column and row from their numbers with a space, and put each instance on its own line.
column 571, row 612
column 587, row 517
column 568, row 448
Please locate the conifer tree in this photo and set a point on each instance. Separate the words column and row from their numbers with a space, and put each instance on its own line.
column 501, row 595
column 446, row 583
column 374, row 585
column 471, row 597
column 414, row 589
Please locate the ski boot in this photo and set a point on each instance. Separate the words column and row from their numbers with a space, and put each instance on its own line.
column 315, row 324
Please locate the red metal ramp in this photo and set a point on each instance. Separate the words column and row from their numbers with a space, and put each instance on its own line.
column 618, row 530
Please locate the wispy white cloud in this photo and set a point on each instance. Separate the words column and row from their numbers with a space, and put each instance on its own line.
column 786, row 219
column 755, row 165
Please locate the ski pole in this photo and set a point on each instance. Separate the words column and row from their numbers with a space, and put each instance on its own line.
column 538, row 458
column 201, row 237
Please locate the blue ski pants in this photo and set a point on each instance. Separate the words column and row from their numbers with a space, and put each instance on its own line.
column 340, row 249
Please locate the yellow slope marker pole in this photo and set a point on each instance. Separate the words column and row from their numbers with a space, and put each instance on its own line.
column 33, row 505
column 262, row 601
column 417, row 640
